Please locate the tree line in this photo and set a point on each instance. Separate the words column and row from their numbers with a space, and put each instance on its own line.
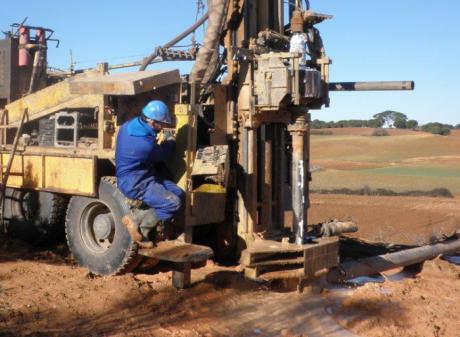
column 388, row 119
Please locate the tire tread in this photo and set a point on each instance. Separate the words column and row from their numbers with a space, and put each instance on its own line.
column 131, row 259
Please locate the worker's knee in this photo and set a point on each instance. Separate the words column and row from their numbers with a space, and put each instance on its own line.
column 180, row 194
column 172, row 203
column 173, row 188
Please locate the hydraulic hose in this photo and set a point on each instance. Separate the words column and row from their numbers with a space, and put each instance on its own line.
column 217, row 10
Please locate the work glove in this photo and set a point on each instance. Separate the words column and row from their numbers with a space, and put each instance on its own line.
column 166, row 135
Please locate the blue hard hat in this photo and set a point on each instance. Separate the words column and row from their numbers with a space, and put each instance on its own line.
column 158, row 111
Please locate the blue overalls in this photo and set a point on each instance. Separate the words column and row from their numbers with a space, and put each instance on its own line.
column 136, row 152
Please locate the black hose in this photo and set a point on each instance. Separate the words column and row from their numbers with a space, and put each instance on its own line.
column 178, row 38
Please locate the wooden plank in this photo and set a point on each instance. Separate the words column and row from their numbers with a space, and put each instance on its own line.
column 278, row 259
column 322, row 256
column 283, row 274
column 279, row 262
column 257, row 273
column 125, row 83
column 249, row 259
column 178, row 252
column 251, row 273
column 264, row 252
column 268, row 246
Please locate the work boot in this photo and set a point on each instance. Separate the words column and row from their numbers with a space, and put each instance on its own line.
column 139, row 225
column 148, row 221
column 133, row 230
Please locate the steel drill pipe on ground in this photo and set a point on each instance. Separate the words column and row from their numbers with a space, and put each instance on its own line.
column 217, row 10
column 376, row 264
column 371, row 86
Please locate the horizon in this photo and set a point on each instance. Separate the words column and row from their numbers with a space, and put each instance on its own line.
column 371, row 118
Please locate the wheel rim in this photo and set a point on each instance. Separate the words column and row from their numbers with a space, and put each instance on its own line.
column 97, row 227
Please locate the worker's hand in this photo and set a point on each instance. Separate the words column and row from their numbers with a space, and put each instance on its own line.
column 165, row 135
column 161, row 137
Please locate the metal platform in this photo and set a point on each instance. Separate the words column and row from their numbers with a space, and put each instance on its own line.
column 178, row 252
column 181, row 255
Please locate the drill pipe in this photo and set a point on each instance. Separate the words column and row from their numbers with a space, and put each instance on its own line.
column 376, row 264
column 300, row 176
column 371, row 86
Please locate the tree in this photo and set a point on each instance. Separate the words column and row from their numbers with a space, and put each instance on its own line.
column 375, row 123
column 411, row 124
column 437, row 128
column 400, row 123
column 388, row 117
column 457, row 126
column 317, row 124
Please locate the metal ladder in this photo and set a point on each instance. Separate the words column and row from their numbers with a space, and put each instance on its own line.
column 6, row 173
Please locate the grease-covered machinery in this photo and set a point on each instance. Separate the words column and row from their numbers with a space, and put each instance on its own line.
column 242, row 124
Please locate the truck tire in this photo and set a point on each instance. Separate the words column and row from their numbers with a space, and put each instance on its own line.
column 34, row 216
column 95, row 235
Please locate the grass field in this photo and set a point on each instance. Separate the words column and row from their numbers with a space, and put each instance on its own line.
column 400, row 162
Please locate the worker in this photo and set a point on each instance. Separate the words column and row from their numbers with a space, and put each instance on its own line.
column 141, row 143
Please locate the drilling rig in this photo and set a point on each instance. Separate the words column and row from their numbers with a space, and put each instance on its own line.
column 242, row 123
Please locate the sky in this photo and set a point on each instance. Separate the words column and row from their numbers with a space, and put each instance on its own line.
column 368, row 40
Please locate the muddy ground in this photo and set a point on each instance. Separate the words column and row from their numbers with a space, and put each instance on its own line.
column 402, row 220
column 43, row 293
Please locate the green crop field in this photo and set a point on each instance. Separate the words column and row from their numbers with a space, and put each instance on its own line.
column 400, row 163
